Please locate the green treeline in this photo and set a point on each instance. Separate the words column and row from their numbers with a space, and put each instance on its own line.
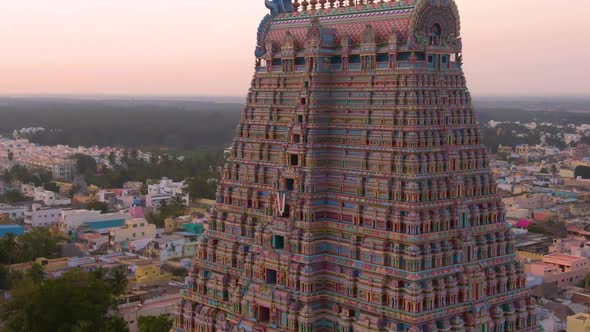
column 172, row 124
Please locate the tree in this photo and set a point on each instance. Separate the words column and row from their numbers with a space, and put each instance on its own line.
column 12, row 197
column 77, row 301
column 39, row 242
column 5, row 219
column 73, row 191
column 5, row 280
column 174, row 208
column 85, row 165
column 9, row 249
column 117, row 281
column 37, row 273
column 160, row 323
column 10, row 158
column 51, row 186
column 97, row 206
column 112, row 159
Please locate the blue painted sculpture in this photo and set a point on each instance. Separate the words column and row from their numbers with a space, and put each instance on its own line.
column 279, row 6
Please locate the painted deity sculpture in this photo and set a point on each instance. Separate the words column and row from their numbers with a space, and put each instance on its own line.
column 279, row 6
column 357, row 195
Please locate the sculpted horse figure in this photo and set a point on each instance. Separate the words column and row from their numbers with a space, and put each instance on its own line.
column 279, row 6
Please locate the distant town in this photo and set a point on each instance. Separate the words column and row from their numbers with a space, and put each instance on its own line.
column 545, row 189
column 107, row 228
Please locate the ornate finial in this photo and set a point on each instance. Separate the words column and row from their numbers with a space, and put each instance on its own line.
column 313, row 4
column 296, row 5
column 331, row 3
column 323, row 4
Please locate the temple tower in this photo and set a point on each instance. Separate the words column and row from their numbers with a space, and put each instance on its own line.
column 358, row 196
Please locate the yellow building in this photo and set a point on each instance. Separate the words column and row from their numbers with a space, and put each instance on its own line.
column 49, row 265
column 172, row 225
column 578, row 322
column 147, row 272
column 132, row 230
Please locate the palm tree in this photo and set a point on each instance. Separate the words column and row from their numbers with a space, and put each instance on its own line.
column 10, row 246
column 10, row 158
column 118, row 281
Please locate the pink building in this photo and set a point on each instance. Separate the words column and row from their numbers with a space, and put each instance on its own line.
column 560, row 269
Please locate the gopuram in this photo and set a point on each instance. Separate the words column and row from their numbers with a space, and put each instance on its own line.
column 357, row 195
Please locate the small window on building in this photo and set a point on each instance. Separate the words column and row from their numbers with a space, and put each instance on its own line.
column 354, row 59
column 290, row 184
column 263, row 314
column 300, row 118
column 287, row 212
column 382, row 57
column 271, row 277
column 294, row 160
column 278, row 242
column 303, row 101
column 276, row 62
column 296, row 138
column 299, row 61
column 403, row 56
column 336, row 60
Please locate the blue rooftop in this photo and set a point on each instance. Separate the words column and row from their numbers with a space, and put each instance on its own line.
column 101, row 224
column 14, row 229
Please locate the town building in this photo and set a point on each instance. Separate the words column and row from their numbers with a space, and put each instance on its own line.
column 132, row 230
column 172, row 225
column 14, row 213
column 560, row 269
column 166, row 247
column 579, row 322
column 173, row 246
column 71, row 220
column 49, row 198
column 42, row 216
column 166, row 190
column 357, row 195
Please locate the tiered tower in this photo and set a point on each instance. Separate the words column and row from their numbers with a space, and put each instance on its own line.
column 357, row 196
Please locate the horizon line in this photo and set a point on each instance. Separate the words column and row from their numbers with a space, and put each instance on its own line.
column 216, row 96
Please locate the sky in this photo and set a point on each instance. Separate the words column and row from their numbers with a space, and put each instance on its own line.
column 206, row 47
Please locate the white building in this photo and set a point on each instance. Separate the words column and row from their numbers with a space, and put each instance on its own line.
column 15, row 213
column 165, row 190
column 166, row 247
column 40, row 216
column 72, row 219
column 49, row 197
column 27, row 189
column 177, row 245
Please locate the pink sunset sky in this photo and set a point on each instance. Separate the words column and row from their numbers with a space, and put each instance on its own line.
column 206, row 47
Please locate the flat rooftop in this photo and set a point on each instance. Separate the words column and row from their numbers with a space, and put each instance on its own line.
column 562, row 259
